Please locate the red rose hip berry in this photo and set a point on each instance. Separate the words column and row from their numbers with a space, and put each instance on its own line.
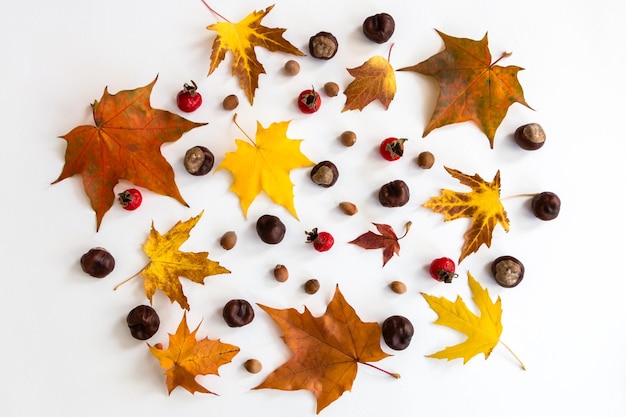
column 188, row 99
column 322, row 241
column 130, row 199
column 392, row 149
column 309, row 101
column 442, row 269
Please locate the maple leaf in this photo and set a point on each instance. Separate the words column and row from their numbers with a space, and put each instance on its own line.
column 168, row 263
column 185, row 358
column 326, row 350
column 375, row 79
column 483, row 331
column 482, row 205
column 241, row 38
column 386, row 240
column 264, row 164
column 124, row 144
column 472, row 87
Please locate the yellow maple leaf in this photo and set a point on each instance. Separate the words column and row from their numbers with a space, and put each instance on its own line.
column 168, row 263
column 483, row 331
column 482, row 205
column 375, row 79
column 186, row 357
column 264, row 164
column 241, row 38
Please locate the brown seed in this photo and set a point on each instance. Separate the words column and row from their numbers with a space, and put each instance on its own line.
column 398, row 287
column 143, row 322
column 425, row 160
column 230, row 102
column 281, row 273
column 311, row 286
column 229, row 240
column 508, row 271
column 348, row 208
column 323, row 45
column 325, row 174
column 394, row 194
column 331, row 89
column 97, row 262
column 198, row 160
column 292, row 67
column 253, row 366
column 238, row 313
column 348, row 138
column 530, row 136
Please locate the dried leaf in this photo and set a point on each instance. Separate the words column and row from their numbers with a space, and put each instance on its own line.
column 472, row 87
column 387, row 240
column 241, row 38
column 326, row 350
column 185, row 358
column 482, row 205
column 375, row 79
column 124, row 144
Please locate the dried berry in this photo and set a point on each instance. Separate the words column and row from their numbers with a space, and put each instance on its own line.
column 97, row 262
column 348, row 138
column 507, row 271
column 237, row 313
column 394, row 194
column 309, row 101
column 143, row 322
column 228, row 240
column 270, row 229
column 379, row 27
column 311, row 286
column 322, row 241
column 392, row 148
column 253, row 366
column 323, row 45
column 348, row 208
column 198, row 160
column 231, row 102
column 292, row 67
column 397, row 332
column 188, row 99
column 325, row 174
column 398, row 287
column 281, row 273
column 130, row 199
column 546, row 205
column 530, row 136
column 425, row 160
column 442, row 269
column 331, row 89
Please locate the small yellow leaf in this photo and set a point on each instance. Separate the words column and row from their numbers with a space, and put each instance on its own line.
column 375, row 79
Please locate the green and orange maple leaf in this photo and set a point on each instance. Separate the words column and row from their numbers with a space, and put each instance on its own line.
column 374, row 80
column 472, row 88
column 240, row 39
column 482, row 205
column 186, row 357
column 124, row 144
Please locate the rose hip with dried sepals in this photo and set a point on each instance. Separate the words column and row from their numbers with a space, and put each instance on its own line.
column 188, row 99
column 130, row 199
column 322, row 241
column 309, row 101
column 442, row 269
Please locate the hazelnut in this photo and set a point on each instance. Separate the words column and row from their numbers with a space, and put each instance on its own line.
column 292, row 67
column 507, row 271
column 331, row 89
column 281, row 273
column 230, row 102
column 348, row 208
column 325, row 174
column 530, row 136
column 253, row 366
column 237, row 313
column 311, row 286
column 228, row 240
column 348, row 138
column 394, row 194
column 143, row 322
column 198, row 160
column 425, row 160
column 398, row 287
column 97, row 262
column 270, row 229
column 379, row 27
column 323, row 45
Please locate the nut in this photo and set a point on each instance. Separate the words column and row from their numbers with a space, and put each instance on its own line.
column 348, row 208
column 507, row 271
column 397, row 332
column 292, row 67
column 253, row 366
column 143, row 322
column 325, row 174
column 198, row 160
column 228, row 240
column 237, row 313
column 323, row 45
column 331, row 89
column 97, row 262
column 425, row 160
column 398, row 287
column 270, row 229
column 530, row 136
column 281, row 273
column 348, row 138
column 546, row 205
column 394, row 194
column 230, row 102
column 311, row 286
column 379, row 27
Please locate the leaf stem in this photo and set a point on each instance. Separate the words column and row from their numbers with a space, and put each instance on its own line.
column 128, row 279
column 214, row 12
column 504, row 55
column 389, row 54
column 393, row 374
column 514, row 355
column 407, row 227
column 519, row 195
column 243, row 131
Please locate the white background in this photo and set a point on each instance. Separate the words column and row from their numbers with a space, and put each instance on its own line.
column 65, row 348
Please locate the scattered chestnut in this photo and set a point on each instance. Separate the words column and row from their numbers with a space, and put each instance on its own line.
column 237, row 313
column 394, row 194
column 325, row 174
column 425, row 160
column 97, row 262
column 507, row 271
column 323, row 45
column 379, row 27
column 143, row 322
column 198, row 160
column 397, row 332
column 530, row 136
column 270, row 229
column 546, row 205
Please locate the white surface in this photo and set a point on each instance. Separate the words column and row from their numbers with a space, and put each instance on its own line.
column 65, row 349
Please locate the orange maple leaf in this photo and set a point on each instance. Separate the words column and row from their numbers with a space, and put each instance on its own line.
column 472, row 87
column 124, row 144
column 482, row 205
column 326, row 350
column 241, row 38
column 375, row 79
column 185, row 358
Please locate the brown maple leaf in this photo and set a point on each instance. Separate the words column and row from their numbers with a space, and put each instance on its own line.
column 482, row 205
column 124, row 144
column 241, row 38
column 185, row 358
column 374, row 80
column 472, row 87
column 326, row 350
column 387, row 240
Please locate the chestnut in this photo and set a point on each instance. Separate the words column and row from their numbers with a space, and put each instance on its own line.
column 97, row 262
column 507, row 271
column 546, row 205
column 397, row 332
column 143, row 322
column 530, row 136
column 394, row 194
column 379, row 27
column 323, row 45
column 237, row 313
column 270, row 229
column 198, row 160
column 325, row 174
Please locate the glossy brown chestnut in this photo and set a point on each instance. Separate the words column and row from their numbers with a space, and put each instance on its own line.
column 97, row 262
column 237, row 313
column 198, row 160
column 143, row 322
column 397, row 332
column 530, row 136
column 325, row 174
column 507, row 271
column 270, row 229
column 394, row 194
column 546, row 205
column 379, row 27
column 323, row 45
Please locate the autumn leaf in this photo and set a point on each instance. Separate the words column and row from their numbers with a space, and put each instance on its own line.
column 472, row 87
column 264, row 164
column 168, row 263
column 483, row 331
column 185, row 358
column 124, row 144
column 482, row 205
column 375, row 79
column 386, row 240
column 326, row 350
column 240, row 39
